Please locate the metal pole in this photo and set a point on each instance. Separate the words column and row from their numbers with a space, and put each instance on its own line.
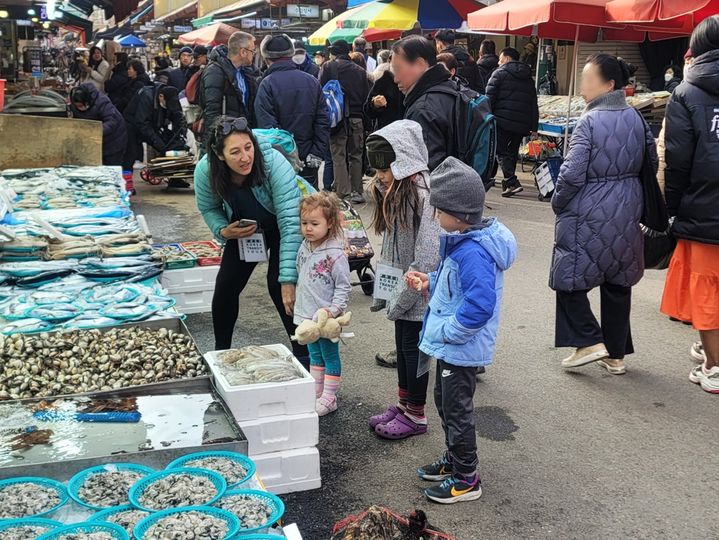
column 539, row 57
column 572, row 85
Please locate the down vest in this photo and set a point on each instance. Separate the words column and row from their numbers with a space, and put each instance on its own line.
column 279, row 194
column 692, row 152
column 598, row 199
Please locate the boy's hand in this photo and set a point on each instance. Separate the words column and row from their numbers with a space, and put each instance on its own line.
column 417, row 281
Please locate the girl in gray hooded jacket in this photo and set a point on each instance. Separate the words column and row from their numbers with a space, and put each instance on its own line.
column 410, row 241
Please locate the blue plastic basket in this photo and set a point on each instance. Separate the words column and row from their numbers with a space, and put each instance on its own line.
column 117, row 532
column 105, row 515
column 32, row 522
column 233, row 524
column 76, row 481
column 259, row 536
column 278, row 507
column 137, row 490
column 246, row 462
column 45, row 482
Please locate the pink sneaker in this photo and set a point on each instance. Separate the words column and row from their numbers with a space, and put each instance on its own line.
column 385, row 417
column 325, row 405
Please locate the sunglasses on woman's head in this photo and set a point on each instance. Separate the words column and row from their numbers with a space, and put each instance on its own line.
column 238, row 124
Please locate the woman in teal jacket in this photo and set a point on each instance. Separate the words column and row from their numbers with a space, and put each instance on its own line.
column 245, row 188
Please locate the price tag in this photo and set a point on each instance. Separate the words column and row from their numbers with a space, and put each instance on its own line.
column 253, row 248
column 386, row 279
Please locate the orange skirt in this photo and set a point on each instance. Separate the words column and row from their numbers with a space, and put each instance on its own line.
column 691, row 292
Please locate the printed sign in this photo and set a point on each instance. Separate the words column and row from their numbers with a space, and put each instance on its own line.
column 386, row 279
column 303, row 10
column 253, row 248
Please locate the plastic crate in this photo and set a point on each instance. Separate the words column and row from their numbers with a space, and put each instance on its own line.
column 193, row 301
column 78, row 480
column 44, row 482
column 289, row 471
column 141, row 485
column 233, row 524
column 204, row 261
column 199, row 278
column 188, row 262
column 276, row 433
column 246, row 463
column 255, row 401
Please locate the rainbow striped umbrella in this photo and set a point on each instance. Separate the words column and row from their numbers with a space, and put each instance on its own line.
column 387, row 19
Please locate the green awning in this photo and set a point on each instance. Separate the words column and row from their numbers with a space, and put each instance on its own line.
column 202, row 21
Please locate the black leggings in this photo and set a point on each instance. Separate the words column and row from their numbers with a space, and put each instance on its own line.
column 406, row 336
column 231, row 281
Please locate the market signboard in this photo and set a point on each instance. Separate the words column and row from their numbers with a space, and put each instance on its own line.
column 303, row 10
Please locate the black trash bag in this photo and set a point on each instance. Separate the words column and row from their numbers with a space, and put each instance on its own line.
column 378, row 523
column 658, row 248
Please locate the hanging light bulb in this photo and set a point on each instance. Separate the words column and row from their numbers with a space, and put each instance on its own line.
column 4, row 14
column 31, row 11
column 34, row 19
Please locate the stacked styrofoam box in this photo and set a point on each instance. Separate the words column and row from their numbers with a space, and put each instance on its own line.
column 281, row 426
column 192, row 288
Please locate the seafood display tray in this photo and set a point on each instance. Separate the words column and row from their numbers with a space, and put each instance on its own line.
column 204, row 261
column 257, row 401
column 177, row 418
column 188, row 262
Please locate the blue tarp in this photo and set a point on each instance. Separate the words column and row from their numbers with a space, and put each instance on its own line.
column 130, row 41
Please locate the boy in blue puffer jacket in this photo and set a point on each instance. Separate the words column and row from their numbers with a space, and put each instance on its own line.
column 460, row 327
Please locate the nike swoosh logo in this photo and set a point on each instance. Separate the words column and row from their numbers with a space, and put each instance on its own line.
column 446, row 373
column 457, row 492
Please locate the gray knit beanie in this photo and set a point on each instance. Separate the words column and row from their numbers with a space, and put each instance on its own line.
column 277, row 46
column 457, row 189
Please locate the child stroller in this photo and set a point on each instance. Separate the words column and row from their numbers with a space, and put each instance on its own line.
column 358, row 248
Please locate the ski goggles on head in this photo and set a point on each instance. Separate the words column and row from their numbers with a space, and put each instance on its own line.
column 231, row 126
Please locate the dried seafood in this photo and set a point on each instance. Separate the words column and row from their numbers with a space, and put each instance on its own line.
column 28, row 439
column 176, row 490
column 25, row 499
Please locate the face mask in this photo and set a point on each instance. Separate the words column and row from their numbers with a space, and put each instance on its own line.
column 668, row 77
column 686, row 70
column 298, row 59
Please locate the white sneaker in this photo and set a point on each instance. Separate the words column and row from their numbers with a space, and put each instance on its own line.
column 326, row 405
column 615, row 367
column 697, row 352
column 586, row 355
column 707, row 379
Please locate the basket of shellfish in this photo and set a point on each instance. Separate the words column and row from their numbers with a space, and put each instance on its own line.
column 207, row 253
column 196, row 522
column 256, row 510
column 175, row 488
column 26, row 528
column 106, row 486
column 30, row 496
column 126, row 516
column 87, row 531
column 235, row 468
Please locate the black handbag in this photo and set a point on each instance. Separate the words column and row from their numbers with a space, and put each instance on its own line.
column 658, row 248
column 654, row 211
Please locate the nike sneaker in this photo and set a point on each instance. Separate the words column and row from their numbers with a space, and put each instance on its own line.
column 455, row 489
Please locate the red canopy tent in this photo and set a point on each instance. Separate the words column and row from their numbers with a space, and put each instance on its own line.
column 578, row 20
column 215, row 34
column 681, row 16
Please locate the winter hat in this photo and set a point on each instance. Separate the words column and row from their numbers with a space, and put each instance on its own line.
column 186, row 49
column 457, row 190
column 340, row 47
column 277, row 46
column 199, row 50
column 380, row 153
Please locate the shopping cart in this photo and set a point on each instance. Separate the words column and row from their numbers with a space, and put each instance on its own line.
column 175, row 171
column 358, row 248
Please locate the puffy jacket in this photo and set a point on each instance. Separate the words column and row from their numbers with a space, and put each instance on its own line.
column 309, row 67
column 468, row 68
column 151, row 121
column 96, row 76
column 692, row 140
column 385, row 86
column 671, row 85
column 114, row 133
column 353, row 79
column 466, row 291
column 598, row 198
column 218, row 89
column 279, row 194
column 116, row 85
column 513, row 98
column 487, row 65
column 290, row 99
column 431, row 104
column 122, row 95
column 413, row 248
column 178, row 77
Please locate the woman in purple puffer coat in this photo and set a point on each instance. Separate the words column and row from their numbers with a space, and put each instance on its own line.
column 598, row 203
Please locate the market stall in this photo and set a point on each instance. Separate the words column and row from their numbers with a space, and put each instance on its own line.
column 106, row 399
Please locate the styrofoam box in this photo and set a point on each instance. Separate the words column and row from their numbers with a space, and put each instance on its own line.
column 255, row 401
column 193, row 301
column 198, row 278
column 276, row 433
column 289, row 471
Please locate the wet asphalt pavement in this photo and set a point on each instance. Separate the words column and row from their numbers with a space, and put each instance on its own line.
column 579, row 454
